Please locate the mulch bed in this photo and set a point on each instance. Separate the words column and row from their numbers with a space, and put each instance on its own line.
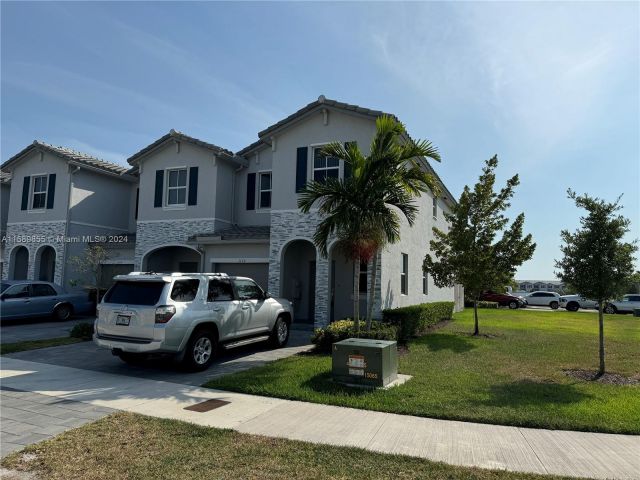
column 608, row 378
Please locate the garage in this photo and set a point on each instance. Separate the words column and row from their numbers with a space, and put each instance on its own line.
column 258, row 271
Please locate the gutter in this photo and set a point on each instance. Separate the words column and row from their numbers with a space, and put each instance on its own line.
column 68, row 221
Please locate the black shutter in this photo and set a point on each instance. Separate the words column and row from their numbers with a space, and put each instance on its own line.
column 51, row 187
column 251, row 191
column 193, row 186
column 157, row 201
column 347, row 165
column 301, row 168
column 25, row 193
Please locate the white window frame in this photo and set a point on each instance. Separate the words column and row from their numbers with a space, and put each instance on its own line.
column 318, row 146
column 404, row 274
column 175, row 206
column 260, row 190
column 33, row 192
column 425, row 283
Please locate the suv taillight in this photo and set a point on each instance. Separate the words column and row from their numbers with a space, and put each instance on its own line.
column 164, row 313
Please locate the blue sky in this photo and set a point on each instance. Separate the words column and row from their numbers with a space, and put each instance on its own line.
column 552, row 88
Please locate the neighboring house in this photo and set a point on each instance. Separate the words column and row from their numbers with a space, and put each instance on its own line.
column 5, row 191
column 195, row 206
column 540, row 286
column 61, row 200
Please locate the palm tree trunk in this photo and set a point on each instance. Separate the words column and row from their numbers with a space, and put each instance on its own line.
column 372, row 292
column 476, row 330
column 356, row 295
column 601, row 335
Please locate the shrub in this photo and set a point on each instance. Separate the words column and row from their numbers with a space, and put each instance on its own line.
column 82, row 330
column 323, row 338
column 414, row 320
column 481, row 304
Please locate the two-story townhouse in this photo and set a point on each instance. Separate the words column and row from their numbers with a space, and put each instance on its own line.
column 288, row 155
column 60, row 201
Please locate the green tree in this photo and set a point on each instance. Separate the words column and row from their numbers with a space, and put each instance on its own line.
column 595, row 259
column 90, row 264
column 634, row 283
column 467, row 254
column 362, row 211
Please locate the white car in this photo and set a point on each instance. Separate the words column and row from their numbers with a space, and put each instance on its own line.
column 543, row 299
column 627, row 305
column 575, row 302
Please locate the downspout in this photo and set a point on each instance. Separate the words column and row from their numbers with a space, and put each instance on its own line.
column 66, row 224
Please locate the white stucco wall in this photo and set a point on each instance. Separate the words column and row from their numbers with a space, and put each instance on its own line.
column 259, row 161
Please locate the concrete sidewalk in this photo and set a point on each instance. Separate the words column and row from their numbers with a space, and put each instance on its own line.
column 581, row 454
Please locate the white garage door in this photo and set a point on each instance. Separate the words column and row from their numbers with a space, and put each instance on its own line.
column 258, row 271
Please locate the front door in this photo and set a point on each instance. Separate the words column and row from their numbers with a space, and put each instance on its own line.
column 255, row 310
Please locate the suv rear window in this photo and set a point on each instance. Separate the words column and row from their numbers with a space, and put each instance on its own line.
column 134, row 293
column 185, row 290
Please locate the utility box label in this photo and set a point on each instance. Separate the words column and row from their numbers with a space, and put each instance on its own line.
column 356, row 361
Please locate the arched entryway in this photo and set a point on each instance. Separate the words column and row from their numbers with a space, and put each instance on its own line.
column 19, row 263
column 172, row 258
column 298, row 278
column 45, row 263
column 341, row 278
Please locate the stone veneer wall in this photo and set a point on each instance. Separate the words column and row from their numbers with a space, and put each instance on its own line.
column 150, row 234
column 287, row 226
column 53, row 233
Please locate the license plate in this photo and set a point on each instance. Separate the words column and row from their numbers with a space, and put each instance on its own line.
column 123, row 320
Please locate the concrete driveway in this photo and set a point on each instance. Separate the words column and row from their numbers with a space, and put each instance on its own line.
column 87, row 356
column 37, row 329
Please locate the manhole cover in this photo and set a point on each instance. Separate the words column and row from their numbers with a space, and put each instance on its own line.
column 207, row 405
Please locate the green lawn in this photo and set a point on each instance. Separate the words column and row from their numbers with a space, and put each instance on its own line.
column 128, row 446
column 33, row 344
column 514, row 377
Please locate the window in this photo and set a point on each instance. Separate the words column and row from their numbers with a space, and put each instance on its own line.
column 39, row 193
column 324, row 167
column 248, row 290
column 220, row 290
column 363, row 277
column 404, row 275
column 134, row 293
column 435, row 207
column 425, row 283
column 43, row 290
column 185, row 290
column 16, row 291
column 265, row 190
column 177, row 187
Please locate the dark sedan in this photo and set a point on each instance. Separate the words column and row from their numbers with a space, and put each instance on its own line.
column 28, row 298
column 503, row 299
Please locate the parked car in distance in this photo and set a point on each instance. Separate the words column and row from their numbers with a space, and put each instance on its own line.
column 544, row 299
column 575, row 302
column 29, row 298
column 189, row 316
column 504, row 299
column 628, row 303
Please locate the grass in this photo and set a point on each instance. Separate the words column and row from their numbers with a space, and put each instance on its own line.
column 6, row 348
column 513, row 377
column 130, row 446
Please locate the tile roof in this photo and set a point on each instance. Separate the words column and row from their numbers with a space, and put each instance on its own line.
column 72, row 155
column 5, row 177
column 237, row 232
column 182, row 137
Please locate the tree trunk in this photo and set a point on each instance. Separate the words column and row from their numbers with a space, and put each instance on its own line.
column 601, row 335
column 476, row 330
column 372, row 293
column 356, row 295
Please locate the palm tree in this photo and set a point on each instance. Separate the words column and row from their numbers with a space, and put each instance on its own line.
column 361, row 211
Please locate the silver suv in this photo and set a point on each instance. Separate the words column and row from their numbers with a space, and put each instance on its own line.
column 188, row 315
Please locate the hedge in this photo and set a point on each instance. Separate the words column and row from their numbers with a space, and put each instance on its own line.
column 481, row 304
column 323, row 338
column 82, row 330
column 414, row 320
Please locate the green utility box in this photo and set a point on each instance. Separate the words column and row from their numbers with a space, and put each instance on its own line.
column 365, row 362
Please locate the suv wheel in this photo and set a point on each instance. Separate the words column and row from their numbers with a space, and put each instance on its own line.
column 201, row 349
column 610, row 309
column 62, row 312
column 513, row 305
column 554, row 305
column 280, row 333
column 573, row 306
